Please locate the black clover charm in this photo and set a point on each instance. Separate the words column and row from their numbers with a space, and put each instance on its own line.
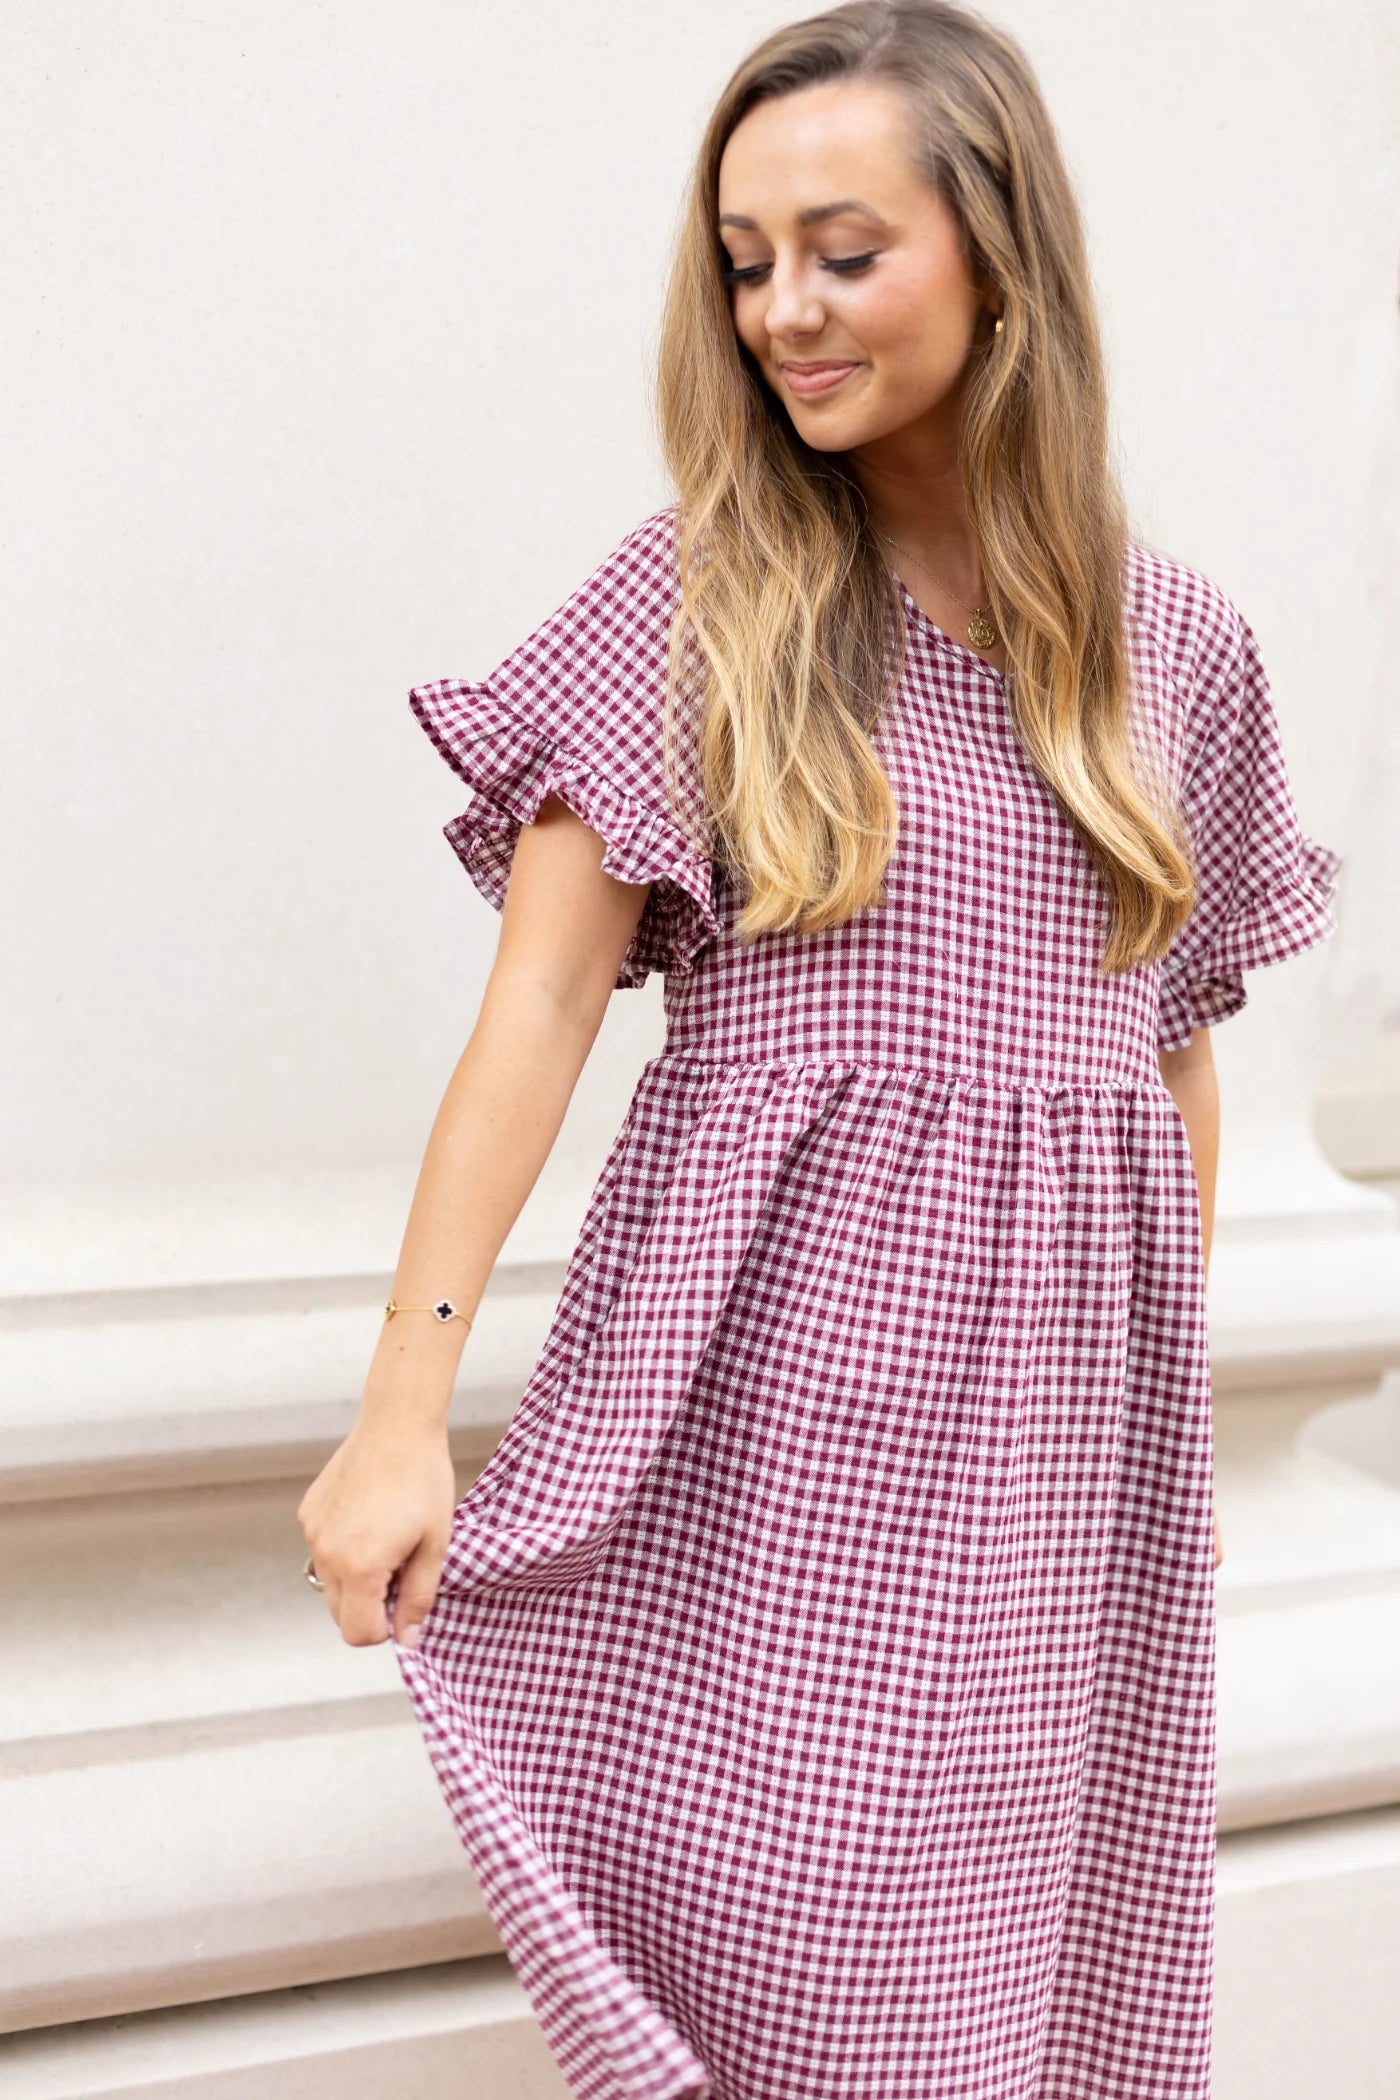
column 444, row 1309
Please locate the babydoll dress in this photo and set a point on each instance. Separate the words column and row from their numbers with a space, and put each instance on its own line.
column 821, row 1678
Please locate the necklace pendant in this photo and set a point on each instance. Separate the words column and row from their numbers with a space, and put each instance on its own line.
column 980, row 631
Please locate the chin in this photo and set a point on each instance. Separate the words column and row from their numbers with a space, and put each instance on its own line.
column 833, row 434
column 827, row 440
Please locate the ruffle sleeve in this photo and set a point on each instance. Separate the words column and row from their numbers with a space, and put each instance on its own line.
column 577, row 711
column 1265, row 890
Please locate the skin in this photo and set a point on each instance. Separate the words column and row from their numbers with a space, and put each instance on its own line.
column 385, row 1497
column 912, row 320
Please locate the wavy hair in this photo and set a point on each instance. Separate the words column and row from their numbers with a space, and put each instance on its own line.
column 789, row 614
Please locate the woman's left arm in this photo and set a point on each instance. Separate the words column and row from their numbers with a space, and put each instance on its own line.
column 1189, row 1076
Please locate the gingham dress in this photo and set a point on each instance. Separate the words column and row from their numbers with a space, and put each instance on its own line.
column 822, row 1674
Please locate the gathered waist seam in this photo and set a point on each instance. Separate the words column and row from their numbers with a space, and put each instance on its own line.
column 1150, row 1081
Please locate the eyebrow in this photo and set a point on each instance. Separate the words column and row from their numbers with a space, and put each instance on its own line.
column 813, row 215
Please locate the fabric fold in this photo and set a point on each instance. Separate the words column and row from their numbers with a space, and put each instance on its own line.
column 618, row 2044
column 1203, row 982
column 512, row 766
column 542, row 1514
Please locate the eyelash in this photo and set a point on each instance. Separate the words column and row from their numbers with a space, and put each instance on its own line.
column 844, row 265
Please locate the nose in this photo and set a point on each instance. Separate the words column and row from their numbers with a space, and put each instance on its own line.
column 794, row 307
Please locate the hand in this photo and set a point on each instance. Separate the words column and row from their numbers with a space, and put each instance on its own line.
column 1219, row 1549
column 382, row 1502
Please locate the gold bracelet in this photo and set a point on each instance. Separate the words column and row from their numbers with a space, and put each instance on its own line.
column 444, row 1310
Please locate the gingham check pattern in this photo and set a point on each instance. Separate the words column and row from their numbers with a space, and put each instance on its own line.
column 822, row 1675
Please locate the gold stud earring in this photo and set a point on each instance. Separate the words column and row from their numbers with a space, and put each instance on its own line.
column 997, row 330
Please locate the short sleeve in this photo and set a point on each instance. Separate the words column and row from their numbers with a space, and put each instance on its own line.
column 576, row 710
column 1265, row 891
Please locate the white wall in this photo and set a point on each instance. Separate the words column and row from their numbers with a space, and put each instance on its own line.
column 326, row 341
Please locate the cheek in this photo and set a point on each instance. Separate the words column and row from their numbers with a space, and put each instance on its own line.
column 881, row 315
column 912, row 330
column 748, row 324
column 918, row 370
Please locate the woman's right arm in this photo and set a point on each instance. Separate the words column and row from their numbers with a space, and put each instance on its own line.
column 384, row 1500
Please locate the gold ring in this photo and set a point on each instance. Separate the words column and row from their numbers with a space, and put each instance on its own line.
column 309, row 1571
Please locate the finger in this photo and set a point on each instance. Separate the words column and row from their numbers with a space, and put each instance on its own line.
column 362, row 1618
column 418, row 1587
column 339, row 1596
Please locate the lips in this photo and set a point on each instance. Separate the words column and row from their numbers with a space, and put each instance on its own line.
column 821, row 377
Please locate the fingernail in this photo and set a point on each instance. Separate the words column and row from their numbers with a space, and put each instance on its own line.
column 412, row 1636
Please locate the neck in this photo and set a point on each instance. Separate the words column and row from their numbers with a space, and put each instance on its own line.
column 914, row 492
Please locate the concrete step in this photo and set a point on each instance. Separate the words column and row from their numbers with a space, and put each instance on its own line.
column 433, row 2033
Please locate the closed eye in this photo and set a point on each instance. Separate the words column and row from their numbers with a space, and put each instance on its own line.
column 844, row 265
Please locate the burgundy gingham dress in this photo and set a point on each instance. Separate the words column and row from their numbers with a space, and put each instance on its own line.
column 821, row 1679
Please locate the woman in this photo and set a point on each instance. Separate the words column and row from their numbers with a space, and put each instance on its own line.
column 821, row 1671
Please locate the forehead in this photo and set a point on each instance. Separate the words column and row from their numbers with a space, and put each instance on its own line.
column 839, row 139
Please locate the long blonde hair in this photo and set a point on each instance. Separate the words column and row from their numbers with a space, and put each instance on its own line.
column 789, row 614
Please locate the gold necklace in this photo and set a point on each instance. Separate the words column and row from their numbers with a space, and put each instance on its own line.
column 981, row 628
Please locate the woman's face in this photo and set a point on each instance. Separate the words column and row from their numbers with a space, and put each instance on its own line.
column 879, row 286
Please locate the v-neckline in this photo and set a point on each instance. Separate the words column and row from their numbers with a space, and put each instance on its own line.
column 940, row 634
